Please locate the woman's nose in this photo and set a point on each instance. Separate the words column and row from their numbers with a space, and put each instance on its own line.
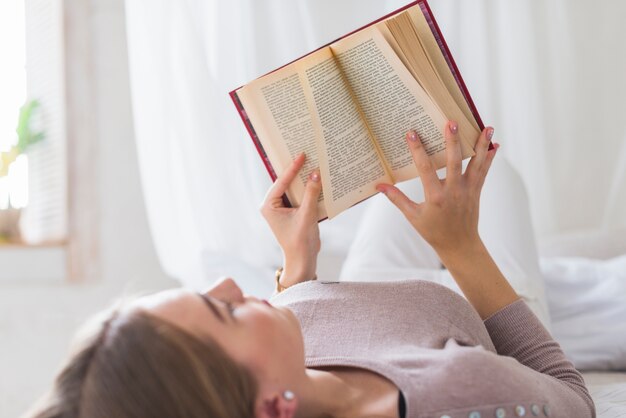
column 226, row 289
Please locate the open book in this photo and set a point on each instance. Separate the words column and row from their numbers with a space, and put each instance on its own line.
column 348, row 105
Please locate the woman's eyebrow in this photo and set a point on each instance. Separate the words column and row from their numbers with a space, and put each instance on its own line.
column 208, row 302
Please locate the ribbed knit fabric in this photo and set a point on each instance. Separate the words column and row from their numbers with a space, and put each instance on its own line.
column 432, row 344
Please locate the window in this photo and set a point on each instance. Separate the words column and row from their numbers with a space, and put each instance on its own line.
column 13, row 178
column 33, row 74
column 34, row 191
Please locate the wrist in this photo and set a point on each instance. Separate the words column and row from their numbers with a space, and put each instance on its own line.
column 296, row 272
column 479, row 278
column 461, row 252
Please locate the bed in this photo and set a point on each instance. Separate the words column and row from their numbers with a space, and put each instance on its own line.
column 587, row 299
column 608, row 390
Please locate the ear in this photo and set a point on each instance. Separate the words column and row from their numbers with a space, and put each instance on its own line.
column 275, row 406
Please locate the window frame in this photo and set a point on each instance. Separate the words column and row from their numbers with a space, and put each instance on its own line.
column 83, row 260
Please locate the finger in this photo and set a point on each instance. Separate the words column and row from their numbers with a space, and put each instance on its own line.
column 491, row 154
column 283, row 181
column 402, row 202
column 482, row 148
column 425, row 168
column 312, row 193
column 453, row 152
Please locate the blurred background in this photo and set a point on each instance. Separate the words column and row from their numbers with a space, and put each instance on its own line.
column 125, row 169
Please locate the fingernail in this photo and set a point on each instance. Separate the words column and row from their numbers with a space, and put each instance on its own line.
column 496, row 146
column 454, row 128
column 489, row 133
column 382, row 189
column 315, row 176
column 411, row 136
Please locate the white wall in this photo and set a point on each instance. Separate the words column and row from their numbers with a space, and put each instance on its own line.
column 37, row 321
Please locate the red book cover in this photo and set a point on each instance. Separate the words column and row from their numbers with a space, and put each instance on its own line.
column 425, row 8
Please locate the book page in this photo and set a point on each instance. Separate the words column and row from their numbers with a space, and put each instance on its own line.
column 352, row 167
column 438, row 61
column 279, row 111
column 422, row 66
column 392, row 101
column 428, row 65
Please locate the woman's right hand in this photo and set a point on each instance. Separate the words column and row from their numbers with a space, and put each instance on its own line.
column 448, row 219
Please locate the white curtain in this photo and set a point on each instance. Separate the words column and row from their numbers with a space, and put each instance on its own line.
column 550, row 76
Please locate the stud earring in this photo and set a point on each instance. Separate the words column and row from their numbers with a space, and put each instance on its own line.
column 288, row 395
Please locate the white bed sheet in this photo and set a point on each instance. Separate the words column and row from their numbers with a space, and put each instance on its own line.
column 608, row 390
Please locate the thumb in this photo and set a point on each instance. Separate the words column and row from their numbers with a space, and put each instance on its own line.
column 312, row 192
column 402, row 202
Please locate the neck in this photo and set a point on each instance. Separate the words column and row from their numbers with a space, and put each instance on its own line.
column 335, row 393
column 327, row 392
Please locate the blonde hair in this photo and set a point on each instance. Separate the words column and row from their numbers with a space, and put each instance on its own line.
column 137, row 365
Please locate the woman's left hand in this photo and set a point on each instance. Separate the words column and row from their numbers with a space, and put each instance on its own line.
column 296, row 229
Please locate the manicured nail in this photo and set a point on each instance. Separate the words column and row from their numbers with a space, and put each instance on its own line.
column 315, row 176
column 411, row 136
column 454, row 128
column 489, row 133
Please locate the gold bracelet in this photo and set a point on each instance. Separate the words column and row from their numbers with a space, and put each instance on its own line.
column 279, row 287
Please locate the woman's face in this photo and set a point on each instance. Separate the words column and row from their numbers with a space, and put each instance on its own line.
column 266, row 339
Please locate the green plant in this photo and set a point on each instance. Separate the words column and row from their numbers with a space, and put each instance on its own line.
column 27, row 132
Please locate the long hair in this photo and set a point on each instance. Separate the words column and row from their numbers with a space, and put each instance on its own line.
column 137, row 365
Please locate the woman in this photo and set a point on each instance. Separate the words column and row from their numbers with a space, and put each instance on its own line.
column 407, row 348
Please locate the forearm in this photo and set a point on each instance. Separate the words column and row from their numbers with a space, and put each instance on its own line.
column 298, row 269
column 479, row 278
column 516, row 332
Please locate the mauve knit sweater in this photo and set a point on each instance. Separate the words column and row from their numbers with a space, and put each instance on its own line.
column 432, row 344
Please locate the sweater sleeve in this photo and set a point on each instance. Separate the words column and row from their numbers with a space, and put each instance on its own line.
column 516, row 332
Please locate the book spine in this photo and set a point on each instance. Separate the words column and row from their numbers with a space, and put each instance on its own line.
column 253, row 135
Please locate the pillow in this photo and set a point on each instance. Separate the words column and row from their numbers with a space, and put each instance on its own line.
column 587, row 303
column 594, row 243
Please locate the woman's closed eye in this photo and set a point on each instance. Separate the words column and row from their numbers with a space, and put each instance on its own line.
column 231, row 310
column 208, row 301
